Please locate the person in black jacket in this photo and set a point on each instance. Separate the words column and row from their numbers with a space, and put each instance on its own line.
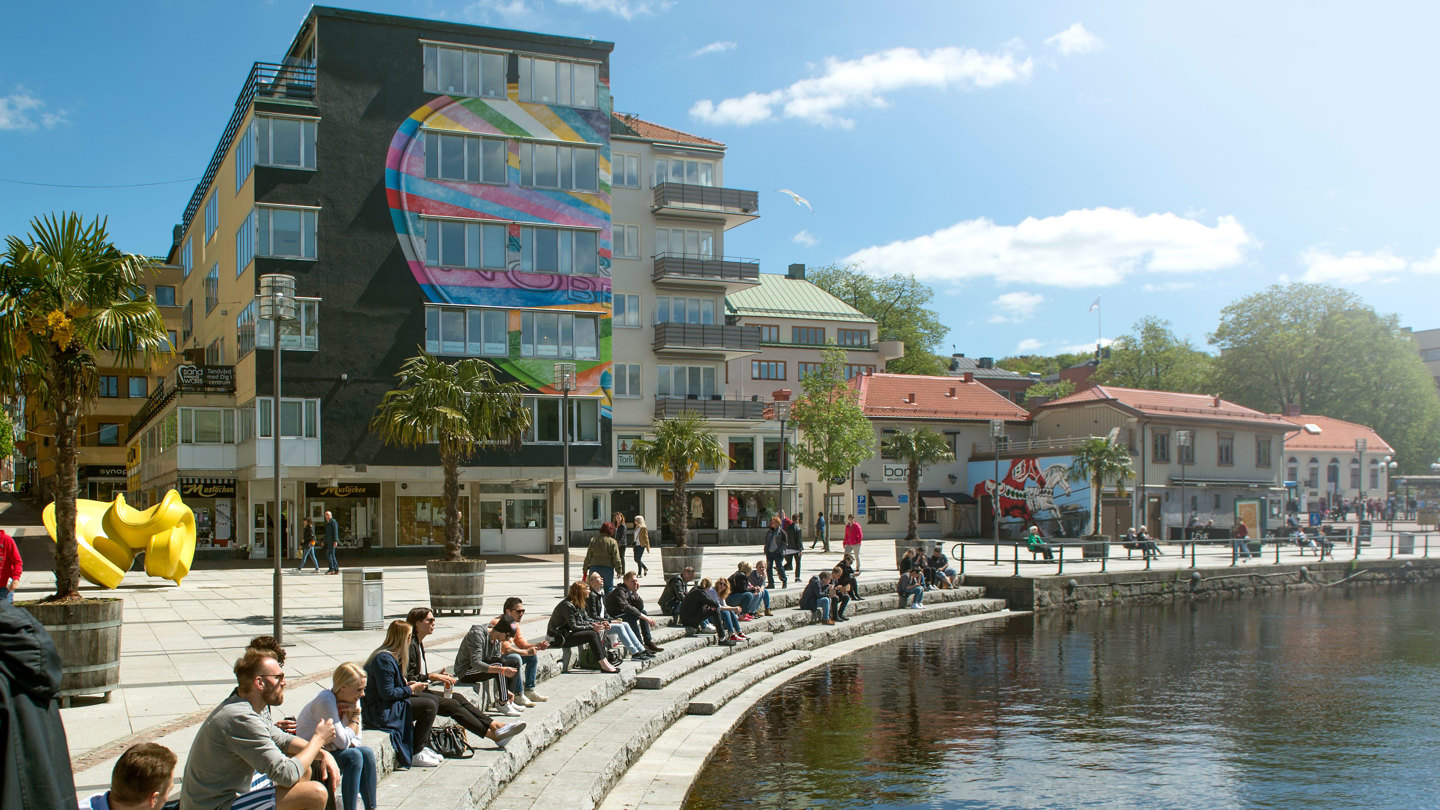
column 817, row 597
column 674, row 593
column 846, row 564
column 570, row 625
column 699, row 607
column 794, row 544
column 33, row 751
column 625, row 603
column 595, row 605
column 840, row 592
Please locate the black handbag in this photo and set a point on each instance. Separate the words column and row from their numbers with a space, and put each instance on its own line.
column 449, row 741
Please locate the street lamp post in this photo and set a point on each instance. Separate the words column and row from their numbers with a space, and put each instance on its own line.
column 997, row 428
column 277, row 303
column 1390, row 466
column 565, row 381
column 782, row 412
column 1360, row 445
column 1182, row 442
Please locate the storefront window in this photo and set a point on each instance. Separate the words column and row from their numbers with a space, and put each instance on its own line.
column 526, row 513
column 750, row 508
column 702, row 508
column 421, row 520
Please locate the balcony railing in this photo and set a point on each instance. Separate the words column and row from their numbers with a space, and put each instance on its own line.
column 672, row 267
column 706, row 198
column 712, row 407
column 709, row 337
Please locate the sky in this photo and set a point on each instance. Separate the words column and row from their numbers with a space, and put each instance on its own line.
column 1024, row 160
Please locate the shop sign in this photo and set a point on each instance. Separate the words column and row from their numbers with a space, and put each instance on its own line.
column 895, row 473
column 216, row 379
column 342, row 491
column 97, row 471
column 207, row 487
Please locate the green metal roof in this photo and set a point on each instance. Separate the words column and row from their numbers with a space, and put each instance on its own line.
column 778, row 296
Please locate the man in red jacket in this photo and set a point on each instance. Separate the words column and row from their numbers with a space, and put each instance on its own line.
column 10, row 567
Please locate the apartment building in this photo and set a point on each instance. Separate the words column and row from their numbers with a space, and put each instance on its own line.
column 1328, row 459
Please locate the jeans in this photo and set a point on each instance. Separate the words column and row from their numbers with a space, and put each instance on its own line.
column 516, row 662
column 640, row 567
column 1041, row 548
column 796, row 558
column 842, row 601
column 357, row 776
column 334, row 564
column 309, row 555
column 906, row 593
column 8, row 595
column 764, row 598
column 728, row 622
column 774, row 562
column 607, row 575
column 1242, row 548
column 822, row 604
column 747, row 602
column 530, row 664
column 621, row 632
column 640, row 628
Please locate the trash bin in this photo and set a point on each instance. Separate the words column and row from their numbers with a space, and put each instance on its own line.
column 363, row 598
column 1405, row 543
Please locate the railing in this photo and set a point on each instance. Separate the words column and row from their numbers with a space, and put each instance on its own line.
column 1027, row 445
column 706, row 198
column 706, row 336
column 671, row 266
column 713, row 407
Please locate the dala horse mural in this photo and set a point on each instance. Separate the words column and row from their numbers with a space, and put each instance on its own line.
column 1029, row 492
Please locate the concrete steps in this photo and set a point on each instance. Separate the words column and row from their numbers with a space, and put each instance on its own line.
column 659, row 677
column 714, row 698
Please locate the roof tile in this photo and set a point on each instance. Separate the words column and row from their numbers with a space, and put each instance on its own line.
column 1168, row 404
column 640, row 128
column 1335, row 436
column 910, row 396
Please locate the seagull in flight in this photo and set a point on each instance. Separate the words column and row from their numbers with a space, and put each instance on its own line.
column 797, row 198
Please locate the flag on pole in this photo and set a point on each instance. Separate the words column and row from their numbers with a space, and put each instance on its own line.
column 1095, row 303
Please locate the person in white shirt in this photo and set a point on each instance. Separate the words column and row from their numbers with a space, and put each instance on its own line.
column 340, row 704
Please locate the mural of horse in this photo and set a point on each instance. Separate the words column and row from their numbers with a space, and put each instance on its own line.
column 1027, row 493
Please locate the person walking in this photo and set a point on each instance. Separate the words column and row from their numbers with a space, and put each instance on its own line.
column 775, row 542
column 822, row 527
column 11, row 566
column 642, row 545
column 854, row 536
column 332, row 540
column 603, row 555
column 794, row 545
column 307, row 542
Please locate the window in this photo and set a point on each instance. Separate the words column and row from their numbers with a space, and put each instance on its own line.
column 1225, row 449
column 469, row 331
column 164, row 296
column 215, row 352
column 553, row 250
column 675, row 309
column 1185, row 453
column 880, row 516
column 1292, row 469
column 172, row 339
column 285, row 233
column 770, row 453
column 626, row 310
column 108, row 434
column 853, row 371
column 244, row 156
column 1160, row 447
column 208, row 425
column 212, row 217
column 464, row 157
column 212, row 288
column 187, row 258
column 464, row 72
column 187, row 320
column 109, row 385
column 285, row 142
column 627, row 241
column 886, row 451
column 584, row 420
column 769, row 334
column 680, row 170
column 1312, row 473
column 244, row 245
column 550, row 81
column 852, row 337
column 627, row 380
column 624, row 451
column 299, row 418
column 569, row 168
column 1374, row 473
column 1355, row 474
column 685, row 242
column 802, row 369
column 139, row 387
column 691, row 382
column 807, row 335
column 624, row 170
column 245, row 326
column 456, row 243
column 300, row 334
column 767, row 370
column 545, row 420
column 559, row 334
column 1262, row 452
column 742, row 452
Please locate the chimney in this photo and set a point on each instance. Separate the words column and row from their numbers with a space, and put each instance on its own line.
column 1216, row 403
column 1292, row 409
column 952, row 392
column 796, row 271
column 969, row 378
column 910, row 398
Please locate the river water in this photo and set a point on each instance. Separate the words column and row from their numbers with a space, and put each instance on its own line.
column 1313, row 701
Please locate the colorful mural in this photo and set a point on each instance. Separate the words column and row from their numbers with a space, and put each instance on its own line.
column 413, row 197
column 1035, row 491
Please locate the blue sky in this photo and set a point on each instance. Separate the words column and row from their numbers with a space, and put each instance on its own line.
column 1023, row 159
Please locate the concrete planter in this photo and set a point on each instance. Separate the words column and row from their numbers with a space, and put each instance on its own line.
column 87, row 636
column 674, row 560
column 1095, row 548
column 456, row 587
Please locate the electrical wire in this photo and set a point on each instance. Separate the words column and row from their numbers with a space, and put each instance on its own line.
column 115, row 185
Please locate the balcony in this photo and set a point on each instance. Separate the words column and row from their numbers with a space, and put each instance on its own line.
column 675, row 269
column 733, row 206
column 710, row 339
column 714, row 407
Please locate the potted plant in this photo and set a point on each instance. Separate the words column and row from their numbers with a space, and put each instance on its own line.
column 1097, row 460
column 679, row 446
column 67, row 301
column 457, row 407
column 920, row 448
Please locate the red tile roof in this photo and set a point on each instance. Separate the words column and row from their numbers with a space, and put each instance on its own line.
column 1335, row 436
column 640, row 128
column 907, row 396
column 1168, row 404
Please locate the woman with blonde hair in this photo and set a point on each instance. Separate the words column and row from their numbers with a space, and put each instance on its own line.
column 392, row 705
column 642, row 545
column 729, row 614
column 340, row 704
column 571, row 626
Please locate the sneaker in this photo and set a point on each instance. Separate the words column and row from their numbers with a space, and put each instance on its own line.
column 707, row 631
column 426, row 759
column 535, row 697
column 521, row 701
column 748, row 617
column 508, row 709
column 505, row 732
column 726, row 643
column 742, row 637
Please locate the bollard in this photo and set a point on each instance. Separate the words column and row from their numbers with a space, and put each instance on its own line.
column 1017, row 558
column 1061, row 569
column 1392, row 545
column 962, row 559
column 1277, row 551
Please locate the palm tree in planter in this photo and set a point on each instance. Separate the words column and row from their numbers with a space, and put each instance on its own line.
column 67, row 295
column 921, row 447
column 459, row 407
column 1099, row 460
column 679, row 447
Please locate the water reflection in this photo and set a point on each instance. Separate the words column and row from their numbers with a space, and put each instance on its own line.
column 1327, row 700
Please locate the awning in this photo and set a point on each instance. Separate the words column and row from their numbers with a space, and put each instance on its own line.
column 959, row 498
column 933, row 500
column 882, row 499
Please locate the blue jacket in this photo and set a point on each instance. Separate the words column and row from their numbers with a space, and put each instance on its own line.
column 386, row 705
column 332, row 533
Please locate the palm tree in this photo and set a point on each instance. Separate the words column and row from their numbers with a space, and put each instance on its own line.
column 1099, row 460
column 921, row 447
column 457, row 406
column 680, row 446
column 66, row 295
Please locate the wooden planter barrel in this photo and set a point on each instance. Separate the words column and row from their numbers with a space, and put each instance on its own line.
column 674, row 560
column 902, row 545
column 456, row 587
column 87, row 636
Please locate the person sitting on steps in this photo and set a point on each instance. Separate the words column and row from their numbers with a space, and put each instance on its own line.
column 517, row 645
column 614, row 627
column 729, row 614
column 626, row 603
column 571, row 626
column 742, row 594
column 481, row 658
column 939, row 567
column 340, row 704
column 756, row 578
column 840, row 593
column 141, row 780
column 698, row 608
column 816, row 597
column 911, row 586
column 674, row 594
column 422, row 621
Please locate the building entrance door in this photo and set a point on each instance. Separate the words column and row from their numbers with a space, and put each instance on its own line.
column 263, row 528
column 492, row 526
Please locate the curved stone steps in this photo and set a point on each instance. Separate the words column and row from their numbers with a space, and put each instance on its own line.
column 713, row 698
column 659, row 677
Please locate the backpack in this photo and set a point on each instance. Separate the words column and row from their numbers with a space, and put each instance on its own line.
column 449, row 741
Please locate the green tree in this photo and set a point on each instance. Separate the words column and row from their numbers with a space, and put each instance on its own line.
column 1323, row 349
column 1050, row 390
column 7, row 435
column 920, row 447
column 680, row 445
column 1153, row 358
column 1099, row 460
column 1043, row 364
column 457, row 406
column 835, row 435
column 67, row 295
column 898, row 305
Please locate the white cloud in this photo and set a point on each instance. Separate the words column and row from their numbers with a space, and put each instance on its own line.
column 1169, row 286
column 1095, row 247
column 21, row 110
column 805, row 238
column 1015, row 307
column 1087, row 346
column 1354, row 267
column 865, row 82
column 1075, row 39
column 624, row 9
column 484, row 11
column 1029, row 345
column 1430, row 265
column 714, row 47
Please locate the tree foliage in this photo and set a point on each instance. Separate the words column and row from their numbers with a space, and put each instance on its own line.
column 1042, row 364
column 1099, row 460
column 677, row 449
column 898, row 305
column 1153, row 358
column 920, row 447
column 835, row 435
column 7, row 435
column 1050, row 390
column 1325, row 350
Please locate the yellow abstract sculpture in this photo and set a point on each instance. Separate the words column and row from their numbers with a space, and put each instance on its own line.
column 111, row 534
